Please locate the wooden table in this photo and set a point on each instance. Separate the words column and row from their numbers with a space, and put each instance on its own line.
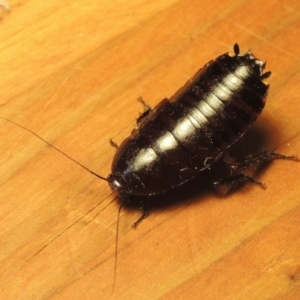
column 71, row 73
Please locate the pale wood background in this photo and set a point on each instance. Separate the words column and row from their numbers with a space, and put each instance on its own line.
column 71, row 72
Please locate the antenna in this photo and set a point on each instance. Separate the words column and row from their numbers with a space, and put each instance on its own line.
column 116, row 245
column 60, row 151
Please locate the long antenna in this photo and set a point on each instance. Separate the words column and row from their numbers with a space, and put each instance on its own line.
column 116, row 245
column 49, row 144
column 93, row 173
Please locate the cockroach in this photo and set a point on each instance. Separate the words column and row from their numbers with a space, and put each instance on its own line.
column 188, row 133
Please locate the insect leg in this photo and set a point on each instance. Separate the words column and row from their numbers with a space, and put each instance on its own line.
column 236, row 177
column 113, row 144
column 233, row 181
column 258, row 158
column 147, row 111
column 145, row 213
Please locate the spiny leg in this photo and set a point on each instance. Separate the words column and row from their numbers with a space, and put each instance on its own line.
column 145, row 213
column 261, row 157
column 147, row 111
column 236, row 177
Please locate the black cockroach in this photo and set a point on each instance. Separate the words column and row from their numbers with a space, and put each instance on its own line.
column 188, row 133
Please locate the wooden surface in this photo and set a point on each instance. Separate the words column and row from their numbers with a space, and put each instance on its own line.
column 71, row 72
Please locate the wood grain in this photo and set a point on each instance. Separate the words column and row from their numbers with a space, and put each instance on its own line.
column 71, row 72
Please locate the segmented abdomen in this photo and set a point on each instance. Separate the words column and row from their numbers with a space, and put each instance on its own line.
column 219, row 107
